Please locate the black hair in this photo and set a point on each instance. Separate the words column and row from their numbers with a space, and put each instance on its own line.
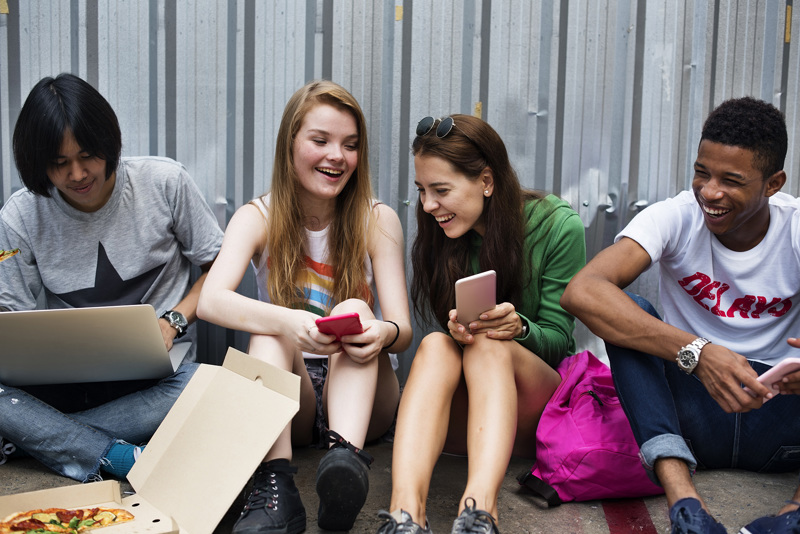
column 54, row 107
column 751, row 124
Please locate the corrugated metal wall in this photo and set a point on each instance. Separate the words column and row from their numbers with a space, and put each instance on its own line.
column 600, row 101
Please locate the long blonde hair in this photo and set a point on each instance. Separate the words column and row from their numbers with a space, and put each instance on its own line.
column 286, row 237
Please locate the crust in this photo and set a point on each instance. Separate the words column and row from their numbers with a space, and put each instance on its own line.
column 7, row 526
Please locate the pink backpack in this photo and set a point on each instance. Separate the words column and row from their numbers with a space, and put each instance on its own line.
column 585, row 448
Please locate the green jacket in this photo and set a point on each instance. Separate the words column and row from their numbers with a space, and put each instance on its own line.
column 559, row 255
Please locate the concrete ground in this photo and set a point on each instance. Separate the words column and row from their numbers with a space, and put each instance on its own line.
column 735, row 498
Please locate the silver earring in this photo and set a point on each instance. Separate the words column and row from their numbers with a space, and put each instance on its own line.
column 486, row 192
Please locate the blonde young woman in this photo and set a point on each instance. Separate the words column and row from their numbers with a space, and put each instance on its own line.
column 320, row 244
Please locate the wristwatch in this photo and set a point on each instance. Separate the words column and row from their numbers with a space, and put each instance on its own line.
column 524, row 330
column 177, row 321
column 689, row 356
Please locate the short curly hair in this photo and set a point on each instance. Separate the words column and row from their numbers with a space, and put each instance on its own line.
column 751, row 124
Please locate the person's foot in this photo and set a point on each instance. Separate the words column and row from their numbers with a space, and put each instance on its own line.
column 400, row 522
column 120, row 458
column 274, row 504
column 788, row 523
column 342, row 486
column 689, row 517
column 472, row 521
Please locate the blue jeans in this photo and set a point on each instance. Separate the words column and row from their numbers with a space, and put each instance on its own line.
column 74, row 444
column 673, row 416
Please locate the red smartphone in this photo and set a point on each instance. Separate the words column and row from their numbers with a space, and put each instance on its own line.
column 474, row 295
column 340, row 325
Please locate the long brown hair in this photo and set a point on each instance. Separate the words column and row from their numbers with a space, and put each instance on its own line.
column 438, row 261
column 285, row 233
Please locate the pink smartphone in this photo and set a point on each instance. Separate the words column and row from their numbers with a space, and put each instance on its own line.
column 776, row 374
column 474, row 295
column 340, row 325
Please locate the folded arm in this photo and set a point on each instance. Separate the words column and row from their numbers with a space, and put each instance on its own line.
column 596, row 297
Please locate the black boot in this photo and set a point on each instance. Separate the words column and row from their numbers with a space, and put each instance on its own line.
column 342, row 484
column 274, row 504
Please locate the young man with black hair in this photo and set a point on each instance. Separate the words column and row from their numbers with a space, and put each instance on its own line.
column 728, row 254
column 95, row 229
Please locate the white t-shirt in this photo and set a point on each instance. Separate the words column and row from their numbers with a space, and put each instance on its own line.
column 746, row 301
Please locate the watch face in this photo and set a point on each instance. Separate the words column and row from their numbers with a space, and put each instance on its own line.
column 176, row 319
column 687, row 359
column 179, row 319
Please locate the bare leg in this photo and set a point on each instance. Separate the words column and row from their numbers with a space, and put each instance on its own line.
column 791, row 507
column 676, row 480
column 508, row 388
column 282, row 354
column 354, row 409
column 422, row 422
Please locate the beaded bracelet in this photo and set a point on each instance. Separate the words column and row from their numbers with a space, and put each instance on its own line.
column 395, row 336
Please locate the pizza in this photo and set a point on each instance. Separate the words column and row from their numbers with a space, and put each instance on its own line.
column 5, row 254
column 63, row 520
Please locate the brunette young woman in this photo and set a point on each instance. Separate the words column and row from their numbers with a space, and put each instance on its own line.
column 480, row 388
column 320, row 244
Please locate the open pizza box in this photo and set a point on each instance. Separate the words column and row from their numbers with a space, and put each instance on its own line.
column 199, row 459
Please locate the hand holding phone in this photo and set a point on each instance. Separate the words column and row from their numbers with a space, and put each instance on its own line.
column 340, row 325
column 474, row 295
column 775, row 374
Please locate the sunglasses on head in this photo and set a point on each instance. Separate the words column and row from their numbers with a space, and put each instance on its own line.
column 443, row 130
column 426, row 125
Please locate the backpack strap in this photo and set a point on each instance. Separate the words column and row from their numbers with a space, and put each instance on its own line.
column 540, row 488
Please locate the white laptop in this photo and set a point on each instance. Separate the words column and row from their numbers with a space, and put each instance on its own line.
column 73, row 345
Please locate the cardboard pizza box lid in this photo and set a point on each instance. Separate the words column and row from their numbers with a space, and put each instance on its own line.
column 199, row 459
column 213, row 438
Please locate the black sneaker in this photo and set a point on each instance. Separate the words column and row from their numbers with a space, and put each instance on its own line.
column 274, row 504
column 472, row 521
column 689, row 517
column 400, row 523
column 342, row 484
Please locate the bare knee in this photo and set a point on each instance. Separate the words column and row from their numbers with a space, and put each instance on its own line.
column 488, row 352
column 354, row 306
column 276, row 350
column 435, row 349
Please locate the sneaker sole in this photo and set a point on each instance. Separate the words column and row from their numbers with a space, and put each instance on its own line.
column 342, row 493
column 294, row 526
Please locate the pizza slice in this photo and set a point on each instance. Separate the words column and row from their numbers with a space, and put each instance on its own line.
column 5, row 254
column 63, row 520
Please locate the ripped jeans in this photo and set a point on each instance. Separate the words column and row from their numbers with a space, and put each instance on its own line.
column 672, row 415
column 74, row 444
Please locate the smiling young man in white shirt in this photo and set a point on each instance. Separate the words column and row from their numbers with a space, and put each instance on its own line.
column 728, row 253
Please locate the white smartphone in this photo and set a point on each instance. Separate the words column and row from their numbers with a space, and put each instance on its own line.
column 474, row 295
column 775, row 374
